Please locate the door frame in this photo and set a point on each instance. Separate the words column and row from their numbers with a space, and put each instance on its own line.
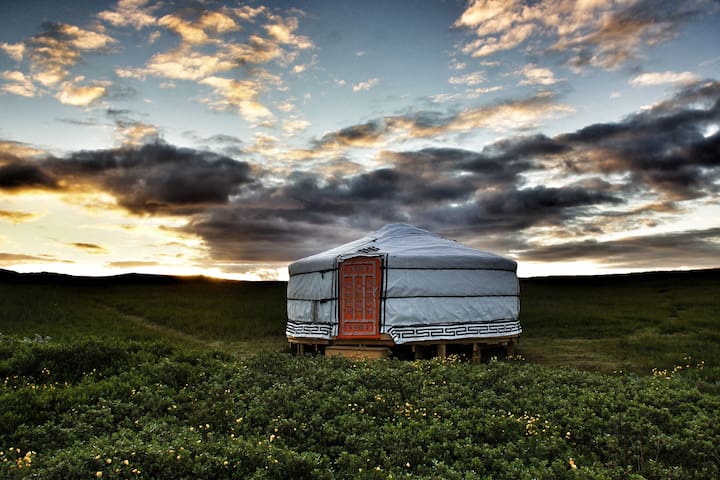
column 377, row 264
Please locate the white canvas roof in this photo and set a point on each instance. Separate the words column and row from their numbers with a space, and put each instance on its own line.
column 432, row 288
column 406, row 246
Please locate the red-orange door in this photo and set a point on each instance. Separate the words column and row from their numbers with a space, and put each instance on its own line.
column 360, row 298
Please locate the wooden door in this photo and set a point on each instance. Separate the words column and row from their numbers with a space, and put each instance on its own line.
column 360, row 284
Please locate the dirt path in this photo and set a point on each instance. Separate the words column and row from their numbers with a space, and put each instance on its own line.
column 162, row 330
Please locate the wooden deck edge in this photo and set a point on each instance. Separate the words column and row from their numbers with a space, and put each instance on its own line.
column 368, row 353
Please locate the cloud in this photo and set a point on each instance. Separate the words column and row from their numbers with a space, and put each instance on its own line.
column 695, row 248
column 10, row 151
column 9, row 259
column 224, row 144
column 190, row 33
column 248, row 13
column 16, row 217
column 135, row 13
column 606, row 178
column 292, row 126
column 469, row 79
column 157, row 177
column 89, row 248
column 663, row 78
column 78, row 95
column 238, row 94
column 518, row 115
column 132, row 264
column 20, row 175
column 441, row 188
column 366, row 85
column 196, row 32
column 596, row 33
column 206, row 51
column 362, row 135
column 522, row 114
column 134, row 134
column 283, row 31
column 535, row 75
column 16, row 51
column 182, row 64
column 20, row 84
column 58, row 48
column 51, row 55
column 663, row 148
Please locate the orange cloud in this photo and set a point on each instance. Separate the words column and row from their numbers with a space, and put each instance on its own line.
column 79, row 96
column 238, row 94
column 16, row 217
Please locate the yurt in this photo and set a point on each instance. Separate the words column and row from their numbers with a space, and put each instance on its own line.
column 402, row 286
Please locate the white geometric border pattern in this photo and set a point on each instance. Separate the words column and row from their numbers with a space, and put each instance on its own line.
column 312, row 330
column 404, row 334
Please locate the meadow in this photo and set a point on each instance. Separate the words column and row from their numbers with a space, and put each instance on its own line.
column 616, row 377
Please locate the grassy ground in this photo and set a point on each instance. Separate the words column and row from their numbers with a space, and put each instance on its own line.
column 235, row 316
column 631, row 322
column 99, row 401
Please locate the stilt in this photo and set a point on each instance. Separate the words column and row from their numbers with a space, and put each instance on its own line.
column 442, row 350
column 476, row 353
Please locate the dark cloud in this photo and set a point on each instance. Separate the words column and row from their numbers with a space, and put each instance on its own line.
column 149, row 179
column 662, row 155
column 240, row 234
column 663, row 148
column 365, row 134
column 156, row 177
column 606, row 178
column 512, row 211
column 695, row 248
column 20, row 175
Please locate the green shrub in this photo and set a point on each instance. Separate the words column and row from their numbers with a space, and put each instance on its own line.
column 156, row 411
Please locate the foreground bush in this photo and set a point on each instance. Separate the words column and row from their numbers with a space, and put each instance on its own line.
column 148, row 410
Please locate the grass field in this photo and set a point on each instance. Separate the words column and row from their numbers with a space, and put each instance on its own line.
column 627, row 322
column 235, row 316
column 631, row 322
column 154, row 378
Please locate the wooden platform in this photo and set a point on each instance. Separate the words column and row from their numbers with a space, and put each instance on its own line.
column 356, row 352
column 472, row 348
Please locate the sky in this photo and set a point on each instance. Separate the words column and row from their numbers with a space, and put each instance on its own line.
column 229, row 139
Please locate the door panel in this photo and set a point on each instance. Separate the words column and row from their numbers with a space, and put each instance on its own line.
column 360, row 284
